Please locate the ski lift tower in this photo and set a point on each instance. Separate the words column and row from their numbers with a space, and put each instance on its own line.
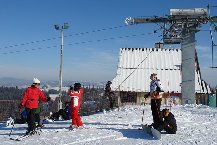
column 179, row 28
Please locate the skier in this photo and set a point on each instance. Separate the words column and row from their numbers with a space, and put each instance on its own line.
column 76, row 96
column 155, row 89
column 30, row 102
column 110, row 95
column 170, row 125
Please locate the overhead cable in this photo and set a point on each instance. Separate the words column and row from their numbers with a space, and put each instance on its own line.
column 83, row 42
column 70, row 35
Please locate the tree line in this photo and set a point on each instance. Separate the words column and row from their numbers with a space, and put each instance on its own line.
column 93, row 100
column 10, row 93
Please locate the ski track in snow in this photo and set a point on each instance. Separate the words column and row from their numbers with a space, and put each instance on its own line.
column 197, row 125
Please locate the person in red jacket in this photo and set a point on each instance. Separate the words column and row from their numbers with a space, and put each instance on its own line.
column 76, row 96
column 30, row 102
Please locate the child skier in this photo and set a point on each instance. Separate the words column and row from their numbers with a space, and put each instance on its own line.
column 76, row 96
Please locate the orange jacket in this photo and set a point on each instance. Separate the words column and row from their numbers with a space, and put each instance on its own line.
column 31, row 97
column 76, row 97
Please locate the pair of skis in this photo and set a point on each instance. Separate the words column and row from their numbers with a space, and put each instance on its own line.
column 22, row 137
column 70, row 129
column 19, row 138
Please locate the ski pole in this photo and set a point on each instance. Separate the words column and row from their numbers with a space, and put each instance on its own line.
column 169, row 95
column 143, row 112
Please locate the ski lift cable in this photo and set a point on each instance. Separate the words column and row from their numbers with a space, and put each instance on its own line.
column 70, row 35
column 78, row 43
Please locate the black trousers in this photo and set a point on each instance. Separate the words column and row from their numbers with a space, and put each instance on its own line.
column 111, row 103
column 30, row 119
column 37, row 118
column 155, row 108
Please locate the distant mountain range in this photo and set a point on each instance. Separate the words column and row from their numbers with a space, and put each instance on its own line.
column 22, row 83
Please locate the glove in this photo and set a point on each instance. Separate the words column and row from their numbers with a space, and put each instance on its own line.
column 20, row 106
column 48, row 99
column 71, row 88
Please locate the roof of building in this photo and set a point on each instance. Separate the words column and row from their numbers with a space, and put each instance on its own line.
column 53, row 96
column 136, row 64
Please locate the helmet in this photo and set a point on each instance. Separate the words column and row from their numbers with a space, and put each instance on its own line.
column 36, row 81
column 77, row 86
column 109, row 82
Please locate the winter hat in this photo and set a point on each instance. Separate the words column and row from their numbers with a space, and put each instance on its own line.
column 109, row 82
column 165, row 112
column 36, row 81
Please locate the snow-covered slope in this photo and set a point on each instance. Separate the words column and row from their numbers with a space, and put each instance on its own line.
column 197, row 124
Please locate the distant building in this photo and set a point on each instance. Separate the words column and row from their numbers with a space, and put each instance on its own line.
column 135, row 66
column 53, row 96
column 54, row 105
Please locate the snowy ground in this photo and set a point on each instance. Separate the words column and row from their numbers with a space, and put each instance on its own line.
column 197, row 125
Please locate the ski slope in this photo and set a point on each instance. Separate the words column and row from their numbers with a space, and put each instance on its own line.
column 197, row 125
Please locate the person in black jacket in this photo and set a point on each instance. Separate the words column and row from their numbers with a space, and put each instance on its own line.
column 170, row 125
column 110, row 95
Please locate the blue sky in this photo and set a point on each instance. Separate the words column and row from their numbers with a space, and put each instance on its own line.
column 92, row 42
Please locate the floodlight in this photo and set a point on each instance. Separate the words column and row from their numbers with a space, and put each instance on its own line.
column 57, row 27
column 66, row 26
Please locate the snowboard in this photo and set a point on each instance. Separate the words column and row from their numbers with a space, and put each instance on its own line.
column 151, row 131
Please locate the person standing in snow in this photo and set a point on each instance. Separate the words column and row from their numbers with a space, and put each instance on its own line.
column 110, row 95
column 30, row 102
column 76, row 96
column 169, row 124
column 155, row 89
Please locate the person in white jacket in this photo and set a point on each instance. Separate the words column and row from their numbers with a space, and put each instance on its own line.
column 155, row 89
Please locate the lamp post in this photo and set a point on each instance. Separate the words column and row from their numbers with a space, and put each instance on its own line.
column 61, row 28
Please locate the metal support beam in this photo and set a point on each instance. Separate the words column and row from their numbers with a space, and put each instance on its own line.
column 188, row 68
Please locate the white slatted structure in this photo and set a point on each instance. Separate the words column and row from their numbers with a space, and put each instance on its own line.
column 136, row 64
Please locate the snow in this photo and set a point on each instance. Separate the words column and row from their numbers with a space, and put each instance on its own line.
column 197, row 125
